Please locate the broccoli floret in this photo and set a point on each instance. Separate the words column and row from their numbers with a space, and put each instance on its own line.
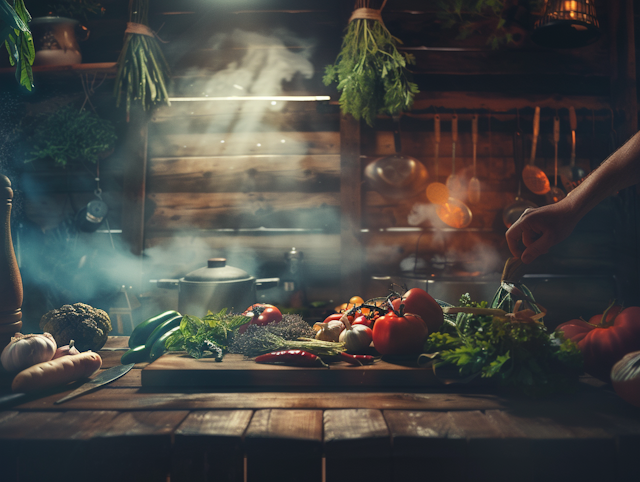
column 89, row 327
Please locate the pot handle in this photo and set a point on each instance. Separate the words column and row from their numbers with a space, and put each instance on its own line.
column 265, row 283
column 170, row 284
column 82, row 32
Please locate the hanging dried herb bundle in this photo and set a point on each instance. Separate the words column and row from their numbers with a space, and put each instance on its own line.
column 370, row 71
column 143, row 73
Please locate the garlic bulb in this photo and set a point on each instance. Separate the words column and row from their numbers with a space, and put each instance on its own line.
column 65, row 350
column 27, row 350
column 356, row 338
column 328, row 330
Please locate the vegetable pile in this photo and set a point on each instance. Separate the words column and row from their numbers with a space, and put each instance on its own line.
column 513, row 349
column 88, row 326
column 370, row 71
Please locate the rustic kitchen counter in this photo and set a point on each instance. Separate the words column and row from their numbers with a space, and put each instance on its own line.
column 125, row 431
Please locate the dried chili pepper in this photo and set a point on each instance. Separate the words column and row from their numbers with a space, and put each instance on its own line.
column 357, row 359
column 298, row 358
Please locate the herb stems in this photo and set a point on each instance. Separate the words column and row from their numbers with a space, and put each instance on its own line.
column 369, row 70
column 143, row 73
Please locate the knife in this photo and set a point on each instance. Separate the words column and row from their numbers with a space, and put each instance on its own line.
column 107, row 376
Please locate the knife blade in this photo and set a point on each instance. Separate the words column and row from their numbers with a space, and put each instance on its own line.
column 107, row 376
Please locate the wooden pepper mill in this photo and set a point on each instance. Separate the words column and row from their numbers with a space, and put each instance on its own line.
column 10, row 280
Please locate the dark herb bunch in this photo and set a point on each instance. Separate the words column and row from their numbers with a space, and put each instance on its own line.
column 370, row 71
column 209, row 336
column 518, row 354
column 290, row 333
column 69, row 136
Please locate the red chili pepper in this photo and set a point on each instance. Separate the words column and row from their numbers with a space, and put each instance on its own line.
column 357, row 359
column 298, row 358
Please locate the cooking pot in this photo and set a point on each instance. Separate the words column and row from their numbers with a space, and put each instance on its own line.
column 216, row 286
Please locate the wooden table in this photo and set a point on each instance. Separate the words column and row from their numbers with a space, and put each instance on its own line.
column 128, row 432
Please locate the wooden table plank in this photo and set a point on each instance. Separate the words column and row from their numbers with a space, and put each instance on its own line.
column 61, row 443
column 422, row 439
column 286, row 444
column 14, row 430
column 208, row 446
column 144, row 399
column 138, row 445
column 559, row 442
column 357, row 445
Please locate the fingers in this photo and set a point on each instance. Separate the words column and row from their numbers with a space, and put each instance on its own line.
column 514, row 240
column 536, row 248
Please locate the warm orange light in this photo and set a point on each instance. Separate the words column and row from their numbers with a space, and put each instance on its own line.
column 452, row 215
column 437, row 193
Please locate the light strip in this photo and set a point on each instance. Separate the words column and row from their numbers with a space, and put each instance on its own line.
column 283, row 98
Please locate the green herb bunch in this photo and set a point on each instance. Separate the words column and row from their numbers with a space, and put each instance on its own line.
column 209, row 336
column 69, row 136
column 522, row 355
column 16, row 36
column 371, row 73
column 78, row 9
column 487, row 17
column 143, row 72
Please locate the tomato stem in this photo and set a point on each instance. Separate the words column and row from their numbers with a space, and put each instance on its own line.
column 603, row 323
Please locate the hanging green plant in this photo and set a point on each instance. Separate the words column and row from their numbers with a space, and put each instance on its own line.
column 69, row 136
column 143, row 73
column 15, row 33
column 370, row 71
column 494, row 19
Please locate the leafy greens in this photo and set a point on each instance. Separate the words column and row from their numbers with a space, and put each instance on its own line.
column 371, row 72
column 209, row 336
column 522, row 355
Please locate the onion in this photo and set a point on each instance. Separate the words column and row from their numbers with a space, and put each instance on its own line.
column 625, row 378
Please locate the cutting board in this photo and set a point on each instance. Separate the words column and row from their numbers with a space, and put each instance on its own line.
column 180, row 370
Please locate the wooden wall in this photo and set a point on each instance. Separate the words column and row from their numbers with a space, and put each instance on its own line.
column 249, row 180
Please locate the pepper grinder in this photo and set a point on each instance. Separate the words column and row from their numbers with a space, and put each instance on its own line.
column 292, row 279
column 10, row 279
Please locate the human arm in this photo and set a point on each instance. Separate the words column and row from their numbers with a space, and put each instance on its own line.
column 539, row 229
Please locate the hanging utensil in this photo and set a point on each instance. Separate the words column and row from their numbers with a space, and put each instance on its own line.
column 534, row 178
column 576, row 171
column 397, row 177
column 473, row 190
column 453, row 183
column 437, row 192
column 512, row 211
column 555, row 194
column 454, row 213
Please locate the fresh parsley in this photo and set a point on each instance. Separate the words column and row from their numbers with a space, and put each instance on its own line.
column 522, row 355
column 371, row 73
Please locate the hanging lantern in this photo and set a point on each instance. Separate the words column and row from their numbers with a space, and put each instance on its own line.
column 567, row 24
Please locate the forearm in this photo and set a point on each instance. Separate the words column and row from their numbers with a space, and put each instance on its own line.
column 620, row 170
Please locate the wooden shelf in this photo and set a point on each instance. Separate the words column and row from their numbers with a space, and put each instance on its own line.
column 108, row 68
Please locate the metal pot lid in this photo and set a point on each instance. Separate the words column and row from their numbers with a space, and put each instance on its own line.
column 216, row 271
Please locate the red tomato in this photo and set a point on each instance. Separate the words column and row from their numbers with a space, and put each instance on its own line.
column 399, row 335
column 261, row 314
column 363, row 320
column 605, row 344
column 421, row 303
column 337, row 316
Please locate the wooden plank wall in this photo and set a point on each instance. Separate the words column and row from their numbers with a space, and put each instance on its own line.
column 250, row 180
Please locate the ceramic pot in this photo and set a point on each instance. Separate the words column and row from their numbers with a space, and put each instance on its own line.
column 56, row 40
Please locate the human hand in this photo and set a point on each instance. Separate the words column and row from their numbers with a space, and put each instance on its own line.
column 538, row 229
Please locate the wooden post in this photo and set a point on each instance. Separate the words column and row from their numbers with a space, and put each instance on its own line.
column 134, row 185
column 351, row 251
column 624, row 100
column 10, row 280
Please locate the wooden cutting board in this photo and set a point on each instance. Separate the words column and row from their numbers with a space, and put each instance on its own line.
column 180, row 370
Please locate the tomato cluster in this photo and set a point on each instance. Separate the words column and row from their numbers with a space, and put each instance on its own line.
column 400, row 325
